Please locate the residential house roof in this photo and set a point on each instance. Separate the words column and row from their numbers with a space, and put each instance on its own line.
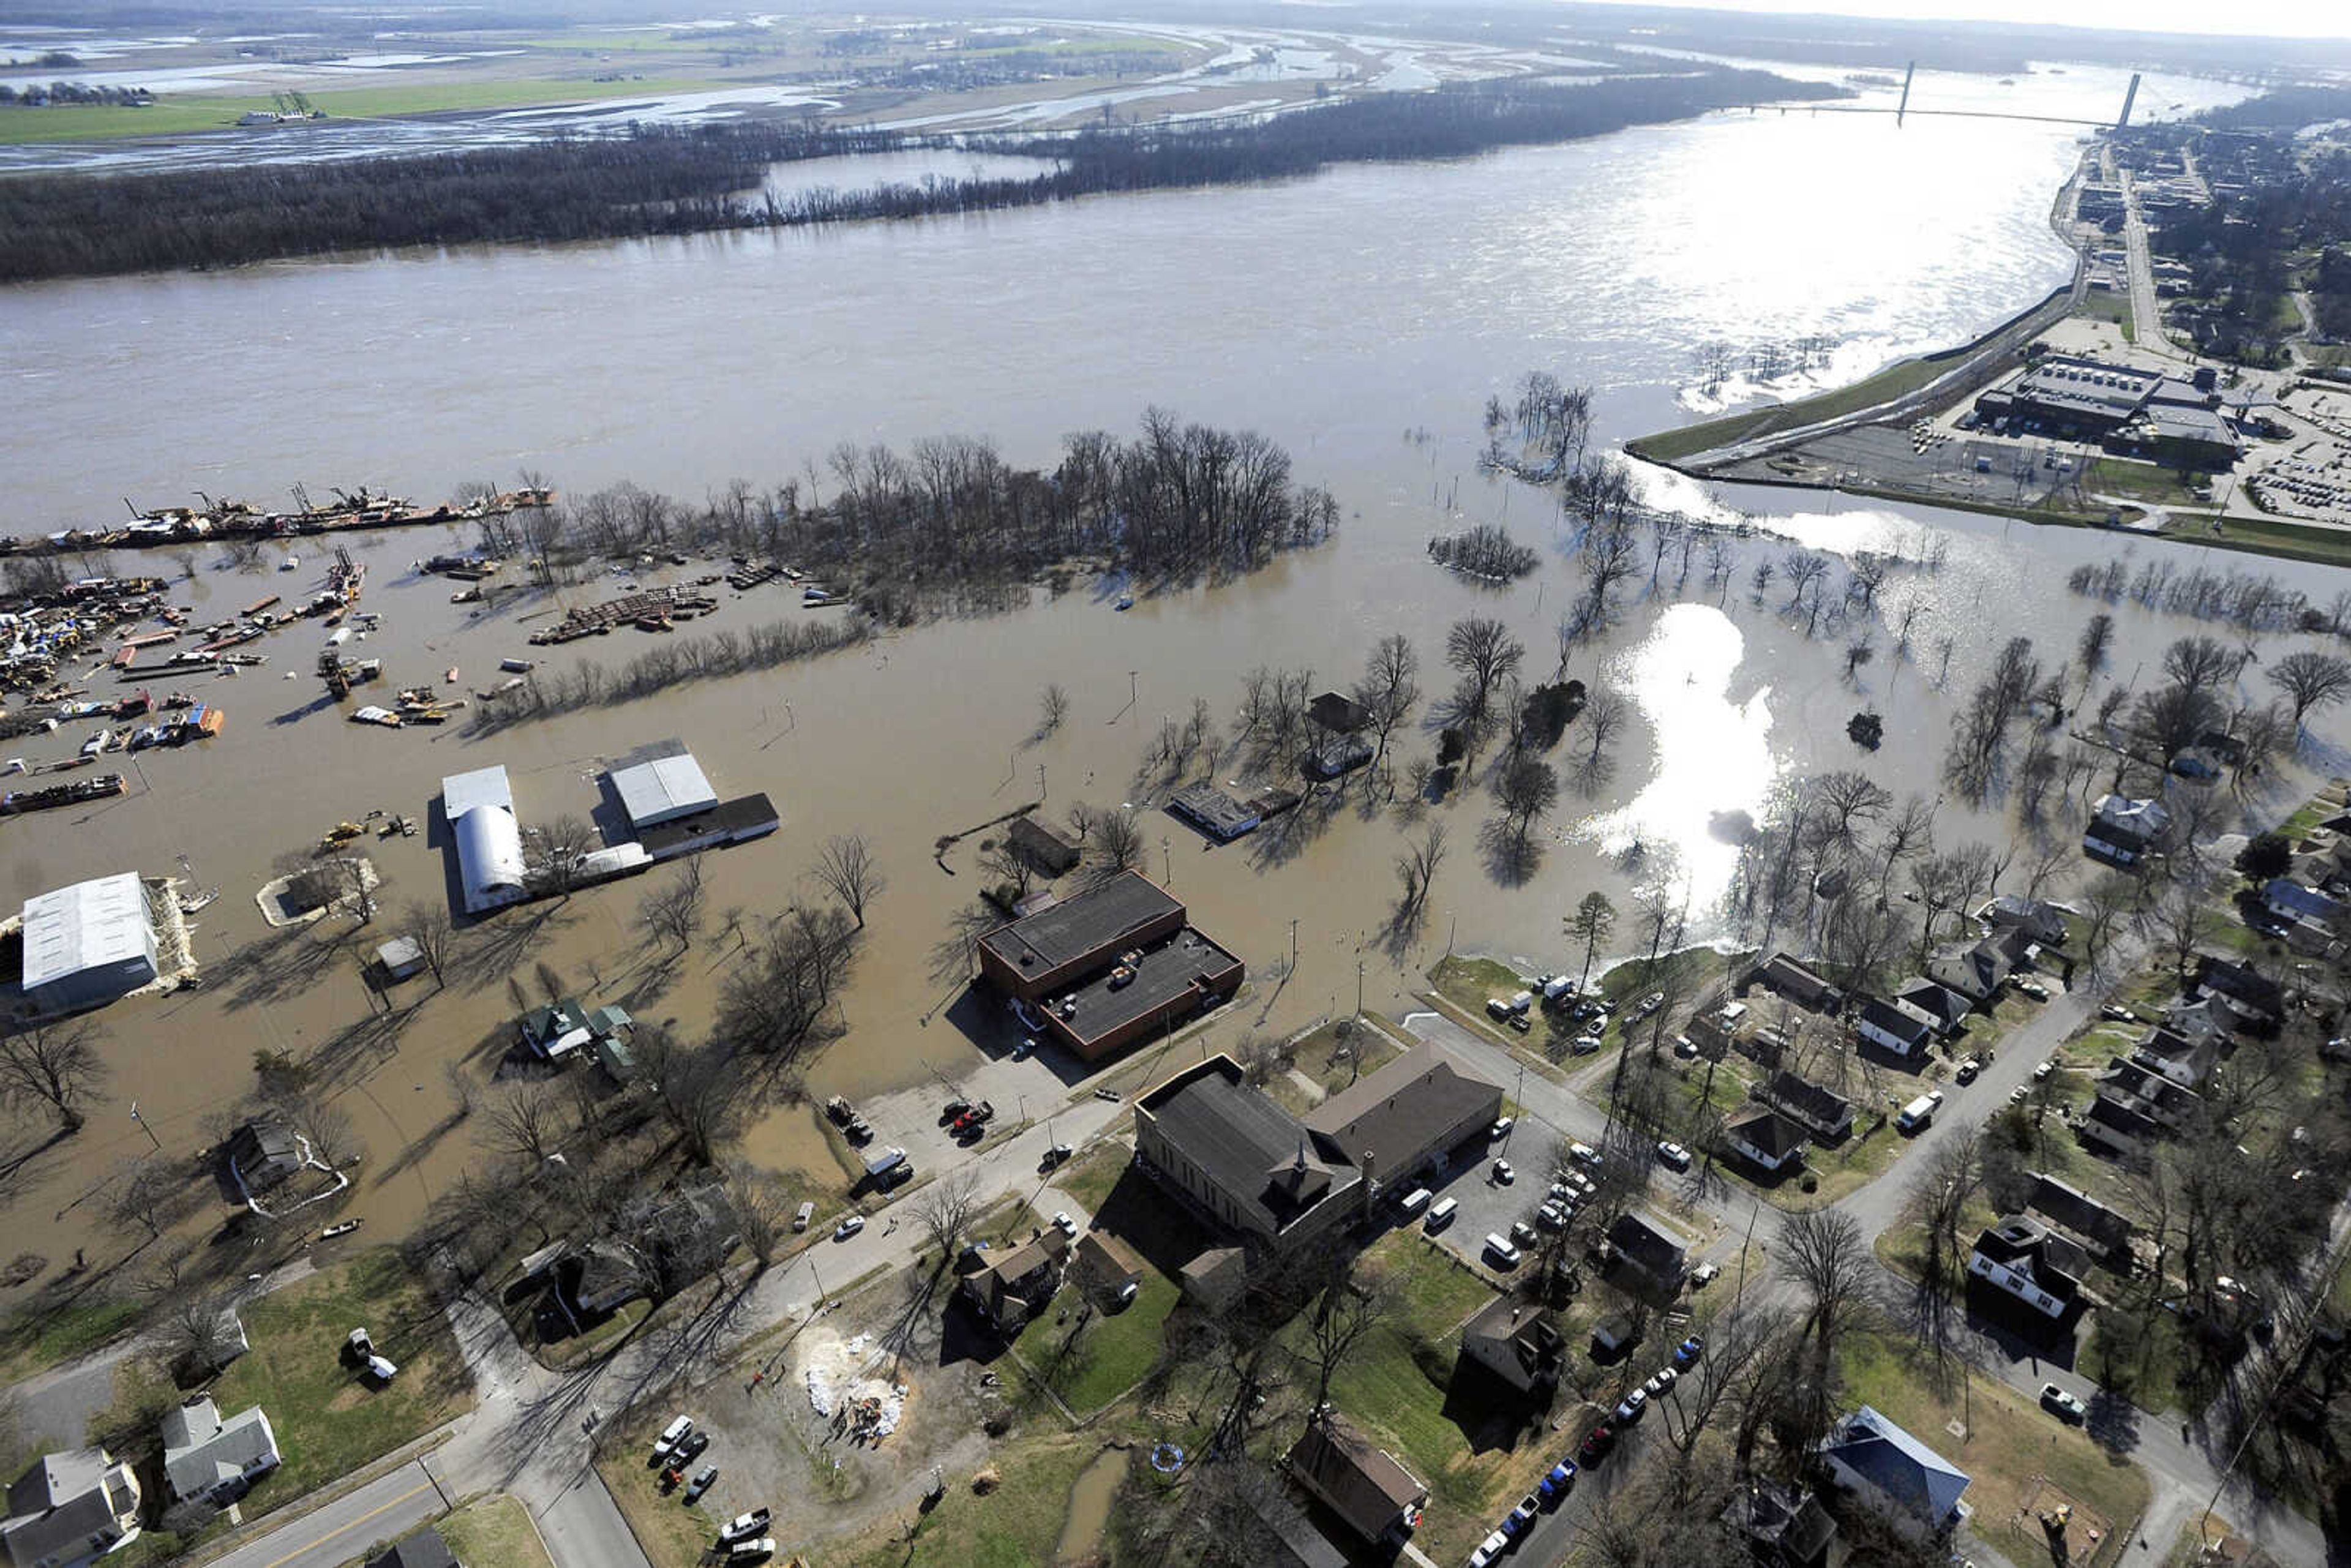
column 1795, row 979
column 1019, row 1278
column 2290, row 898
column 1978, row 972
column 1367, row 1487
column 1041, row 846
column 1913, row 1026
column 2067, row 1205
column 1106, row 1260
column 1522, row 1343
column 1646, row 1246
column 1825, row 1111
column 425, row 1549
column 2037, row 918
column 201, row 1452
column 61, row 1501
column 1335, row 710
column 1788, row 1524
column 1766, row 1131
column 1947, row 1006
column 2174, row 1054
column 2031, row 1248
column 1913, row 1475
column 2119, row 819
column 1395, row 1115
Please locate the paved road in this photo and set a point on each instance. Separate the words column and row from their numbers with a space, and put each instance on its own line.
column 530, row 1434
column 2146, row 307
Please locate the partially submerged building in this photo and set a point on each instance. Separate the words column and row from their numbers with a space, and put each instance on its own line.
column 490, row 867
column 672, row 810
column 87, row 944
column 1117, row 964
column 2122, row 831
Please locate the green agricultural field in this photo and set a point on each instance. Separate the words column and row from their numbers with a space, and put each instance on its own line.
column 181, row 116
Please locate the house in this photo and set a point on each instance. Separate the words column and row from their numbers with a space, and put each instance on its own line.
column 1823, row 1112
column 1274, row 1180
column 555, row 1030
column 1785, row 976
column 2028, row 1260
column 70, row 1508
column 2295, row 903
column 1977, row 972
column 1104, row 1265
column 2186, row 1060
column 1784, row 1527
column 216, row 1460
column 1520, row 1344
column 1045, row 852
column 2041, row 920
column 1366, row 1486
column 1657, row 1259
column 1899, row 1027
column 262, row 1154
column 2122, row 829
column 1010, row 1291
column 2250, row 999
column 1912, row 1488
column 425, row 1549
column 1765, row 1139
column 2104, row 1233
column 1947, row 1006
column 2133, row 1106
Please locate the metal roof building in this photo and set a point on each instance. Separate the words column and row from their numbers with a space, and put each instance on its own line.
column 87, row 944
column 658, row 789
column 480, row 808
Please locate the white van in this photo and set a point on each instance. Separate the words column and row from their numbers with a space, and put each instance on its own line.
column 1415, row 1201
column 1442, row 1214
column 1500, row 1247
column 800, row 1217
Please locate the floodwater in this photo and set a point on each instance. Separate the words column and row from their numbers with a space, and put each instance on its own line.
column 1361, row 319
column 1091, row 1498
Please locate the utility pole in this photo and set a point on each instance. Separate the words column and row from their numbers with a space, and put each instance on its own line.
column 1359, row 988
column 1293, row 945
column 145, row 1128
column 1744, row 1247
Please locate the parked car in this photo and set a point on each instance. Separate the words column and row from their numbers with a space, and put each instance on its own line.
column 706, row 1477
column 1685, row 1047
column 1554, row 1217
column 1522, row 1515
column 758, row 1551
column 802, row 1215
column 1705, row 1274
column 1503, row 1173
column 1686, row 1353
column 1555, row 1486
column 691, row 1449
column 1645, row 1006
column 1523, row 1023
column 1663, row 1379
column 1055, row 1156
column 671, row 1437
column 1500, row 1248
column 1489, row 1551
column 1595, row 1445
column 849, row 1228
column 2061, row 1403
column 1063, row 1223
column 742, row 1525
column 1584, row 1045
column 2118, row 1015
column 1968, row 1069
column 1524, row 1234
column 2041, row 1073
column 1501, row 1125
column 1629, row 1408
column 1674, row 1155
column 1583, row 1155
column 2016, row 1095
column 2033, row 989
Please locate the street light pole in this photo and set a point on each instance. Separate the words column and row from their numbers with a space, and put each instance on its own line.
column 145, row 1128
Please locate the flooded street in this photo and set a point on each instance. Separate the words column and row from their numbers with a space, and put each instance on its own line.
column 1360, row 319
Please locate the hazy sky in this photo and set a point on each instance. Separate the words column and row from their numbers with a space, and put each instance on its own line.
column 2280, row 18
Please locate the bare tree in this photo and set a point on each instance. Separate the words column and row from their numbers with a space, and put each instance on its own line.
column 55, row 1064
column 1824, row 1254
column 1052, row 708
column 564, row 842
column 1346, row 1310
column 946, row 1208
column 428, row 926
column 698, row 1086
column 1389, row 690
column 527, row 1121
column 847, row 867
column 1416, row 869
column 758, row 1202
column 1594, row 918
column 1526, row 789
column 1117, row 842
column 1484, row 651
column 2198, row 664
column 673, row 913
column 1730, row 1353
column 149, row 1196
column 198, row 1331
column 2311, row 680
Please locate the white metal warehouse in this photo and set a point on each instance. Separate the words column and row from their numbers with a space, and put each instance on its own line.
column 87, row 944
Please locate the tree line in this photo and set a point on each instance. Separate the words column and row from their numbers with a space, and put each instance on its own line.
column 665, row 180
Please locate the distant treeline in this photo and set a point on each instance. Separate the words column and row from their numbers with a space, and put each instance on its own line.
column 669, row 181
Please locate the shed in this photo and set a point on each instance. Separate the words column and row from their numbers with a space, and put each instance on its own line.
column 1105, row 1265
column 399, row 957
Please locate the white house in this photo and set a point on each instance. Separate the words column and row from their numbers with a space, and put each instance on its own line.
column 70, row 1508
column 217, row 1460
column 1765, row 1139
column 1903, row 1027
column 2031, row 1263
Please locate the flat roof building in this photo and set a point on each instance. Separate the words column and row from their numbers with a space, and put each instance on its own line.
column 87, row 944
column 659, row 789
column 1115, row 965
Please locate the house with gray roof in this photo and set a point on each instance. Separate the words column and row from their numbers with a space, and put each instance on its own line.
column 1823, row 1113
column 1519, row 1342
column 70, row 1508
column 1899, row 1027
column 425, row 1549
column 1365, row 1485
column 2031, row 1263
column 212, row 1459
column 1915, row 1490
column 2041, row 921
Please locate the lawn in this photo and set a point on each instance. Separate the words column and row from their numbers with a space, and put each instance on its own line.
column 672, row 1534
column 328, row 1423
column 39, row 1336
column 1016, row 1524
column 2011, row 1448
column 1094, row 1358
column 178, row 116
column 495, row 1530
column 2138, row 482
column 2266, row 536
column 1467, row 983
column 1090, row 1177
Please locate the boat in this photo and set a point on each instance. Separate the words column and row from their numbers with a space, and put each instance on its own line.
column 80, row 791
column 344, row 1229
column 291, row 563
column 1125, row 601
column 374, row 715
column 192, row 903
column 513, row 666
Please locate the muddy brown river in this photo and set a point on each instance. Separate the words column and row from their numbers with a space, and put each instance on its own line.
column 1360, row 319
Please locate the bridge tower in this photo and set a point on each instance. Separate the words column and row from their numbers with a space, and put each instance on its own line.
column 2128, row 99
column 1904, row 107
